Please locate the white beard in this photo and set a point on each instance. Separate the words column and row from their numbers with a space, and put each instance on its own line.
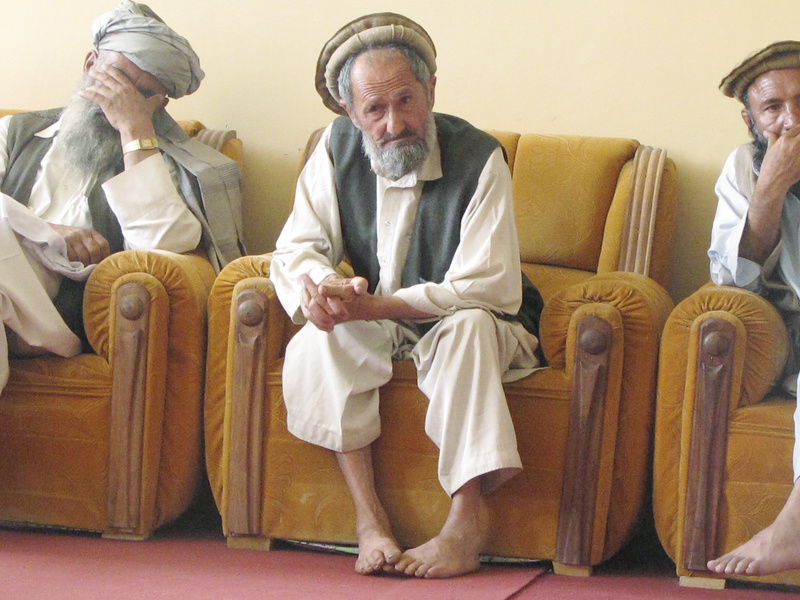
column 88, row 140
column 398, row 161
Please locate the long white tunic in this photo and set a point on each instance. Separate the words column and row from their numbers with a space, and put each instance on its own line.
column 728, row 268
column 146, row 202
column 331, row 380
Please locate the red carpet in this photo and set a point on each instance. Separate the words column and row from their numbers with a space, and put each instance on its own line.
column 39, row 566
column 190, row 561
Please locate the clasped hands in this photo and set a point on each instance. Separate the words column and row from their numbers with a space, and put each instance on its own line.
column 335, row 300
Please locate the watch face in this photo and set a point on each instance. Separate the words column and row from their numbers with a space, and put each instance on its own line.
column 148, row 143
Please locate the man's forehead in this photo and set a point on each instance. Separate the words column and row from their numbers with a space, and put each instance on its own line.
column 382, row 62
column 775, row 82
column 377, row 74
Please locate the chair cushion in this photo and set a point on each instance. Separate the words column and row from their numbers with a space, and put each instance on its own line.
column 563, row 188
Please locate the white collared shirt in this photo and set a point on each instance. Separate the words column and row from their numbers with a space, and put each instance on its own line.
column 145, row 198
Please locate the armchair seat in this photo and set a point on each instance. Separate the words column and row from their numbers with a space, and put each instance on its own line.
column 583, row 422
column 111, row 441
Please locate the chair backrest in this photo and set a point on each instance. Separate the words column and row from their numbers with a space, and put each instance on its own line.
column 586, row 205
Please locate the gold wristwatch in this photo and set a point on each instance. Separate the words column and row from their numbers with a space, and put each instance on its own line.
column 145, row 143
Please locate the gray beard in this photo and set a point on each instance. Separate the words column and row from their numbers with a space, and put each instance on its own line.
column 759, row 142
column 396, row 162
column 87, row 139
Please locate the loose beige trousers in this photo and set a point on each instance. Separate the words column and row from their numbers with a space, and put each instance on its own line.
column 331, row 381
column 32, row 256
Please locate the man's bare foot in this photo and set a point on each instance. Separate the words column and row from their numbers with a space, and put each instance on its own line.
column 456, row 550
column 775, row 549
column 441, row 557
column 377, row 550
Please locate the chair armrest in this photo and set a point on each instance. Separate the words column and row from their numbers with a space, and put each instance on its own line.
column 760, row 343
column 185, row 279
column 722, row 348
column 245, row 321
column 603, row 333
column 642, row 304
column 145, row 313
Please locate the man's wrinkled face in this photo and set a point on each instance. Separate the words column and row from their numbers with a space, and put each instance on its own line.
column 91, row 144
column 774, row 99
column 393, row 110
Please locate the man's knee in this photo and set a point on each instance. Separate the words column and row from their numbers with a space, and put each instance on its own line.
column 471, row 322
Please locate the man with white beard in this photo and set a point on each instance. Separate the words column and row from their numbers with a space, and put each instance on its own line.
column 111, row 171
column 420, row 204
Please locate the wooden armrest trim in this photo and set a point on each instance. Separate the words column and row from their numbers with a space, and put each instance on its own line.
column 127, row 409
column 581, row 464
column 248, row 414
column 709, row 443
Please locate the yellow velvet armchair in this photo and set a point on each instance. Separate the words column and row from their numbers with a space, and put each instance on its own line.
column 724, row 436
column 111, row 441
column 595, row 221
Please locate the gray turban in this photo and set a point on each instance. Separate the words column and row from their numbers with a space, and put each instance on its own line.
column 135, row 31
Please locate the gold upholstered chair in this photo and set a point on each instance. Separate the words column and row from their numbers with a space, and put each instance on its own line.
column 724, row 434
column 595, row 221
column 111, row 440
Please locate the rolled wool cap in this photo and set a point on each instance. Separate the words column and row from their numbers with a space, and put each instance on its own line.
column 780, row 55
column 376, row 28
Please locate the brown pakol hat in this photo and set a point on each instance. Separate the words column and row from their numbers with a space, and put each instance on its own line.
column 780, row 55
column 377, row 28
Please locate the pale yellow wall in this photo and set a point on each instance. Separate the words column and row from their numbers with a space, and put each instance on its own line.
column 626, row 68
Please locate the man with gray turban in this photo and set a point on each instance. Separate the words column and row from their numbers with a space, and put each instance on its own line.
column 420, row 204
column 111, row 171
column 755, row 244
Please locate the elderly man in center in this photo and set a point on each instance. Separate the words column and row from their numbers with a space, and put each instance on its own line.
column 755, row 244
column 420, row 205
column 111, row 171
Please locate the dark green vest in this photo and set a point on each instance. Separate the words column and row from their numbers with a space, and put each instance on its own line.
column 25, row 154
column 437, row 225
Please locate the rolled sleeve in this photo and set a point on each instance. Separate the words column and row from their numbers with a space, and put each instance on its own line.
column 310, row 241
column 726, row 266
column 150, row 210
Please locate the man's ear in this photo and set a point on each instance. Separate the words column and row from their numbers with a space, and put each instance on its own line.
column 346, row 108
column 747, row 117
column 90, row 61
column 432, row 85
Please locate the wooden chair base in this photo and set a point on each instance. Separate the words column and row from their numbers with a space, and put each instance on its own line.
column 708, row 583
column 571, row 570
column 125, row 537
column 249, row 542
